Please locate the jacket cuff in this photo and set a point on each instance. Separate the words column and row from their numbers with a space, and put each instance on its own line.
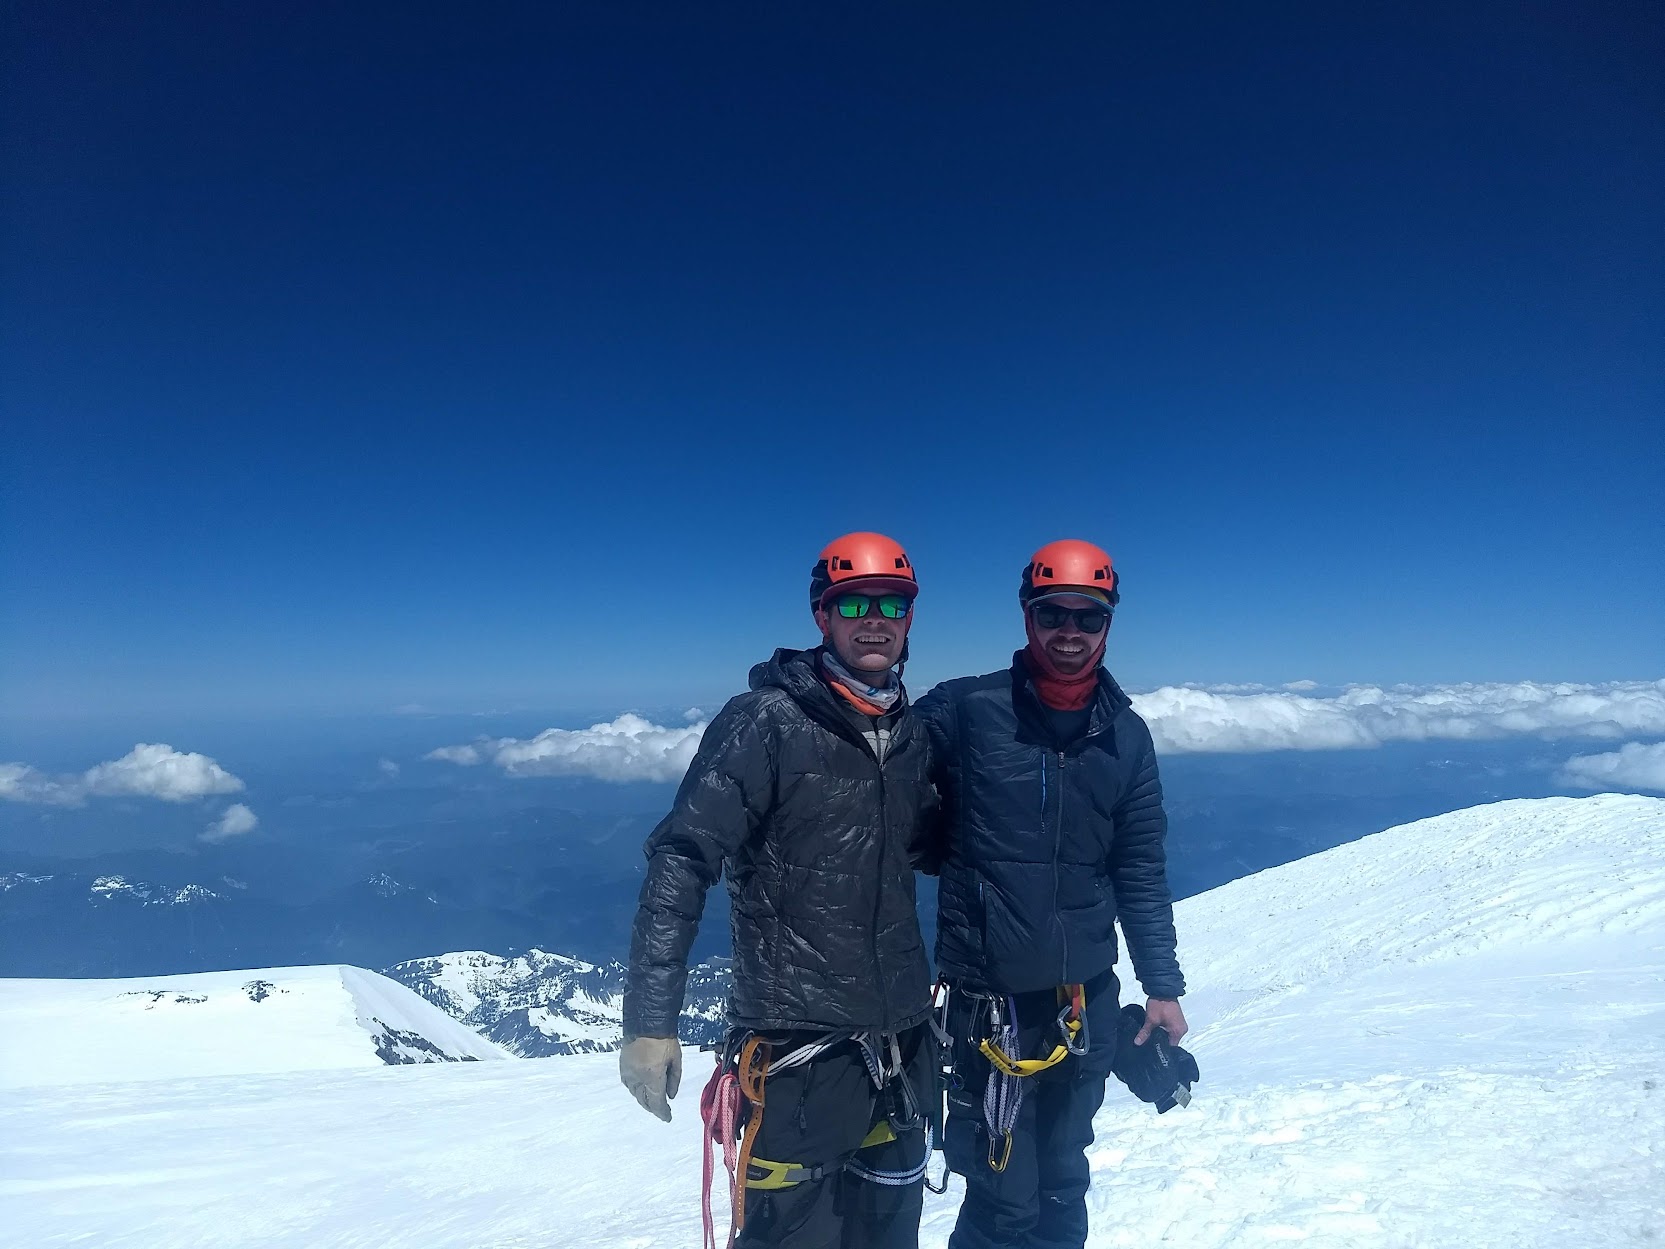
column 636, row 1025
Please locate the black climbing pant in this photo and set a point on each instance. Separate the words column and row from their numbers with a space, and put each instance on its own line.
column 816, row 1116
column 1039, row 1201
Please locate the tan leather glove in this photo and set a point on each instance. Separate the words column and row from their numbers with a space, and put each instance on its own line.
column 651, row 1068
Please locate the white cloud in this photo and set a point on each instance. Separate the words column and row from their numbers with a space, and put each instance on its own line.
column 160, row 771
column 21, row 783
column 628, row 749
column 236, row 820
column 463, row 756
column 1301, row 687
column 1185, row 719
column 387, row 768
column 1631, row 766
column 146, row 771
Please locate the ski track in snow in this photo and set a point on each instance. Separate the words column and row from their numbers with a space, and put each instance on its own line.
column 1447, row 1035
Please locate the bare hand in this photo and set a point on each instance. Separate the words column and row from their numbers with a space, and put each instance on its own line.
column 1164, row 1013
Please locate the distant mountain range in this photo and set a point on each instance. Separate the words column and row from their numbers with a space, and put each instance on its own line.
column 533, row 1004
column 539, row 1004
column 73, row 922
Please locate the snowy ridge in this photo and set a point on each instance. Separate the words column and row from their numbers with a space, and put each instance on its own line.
column 1491, row 877
column 540, row 1004
column 55, row 1032
column 145, row 893
column 14, row 880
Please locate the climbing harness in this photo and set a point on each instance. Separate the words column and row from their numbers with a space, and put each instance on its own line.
column 731, row 1108
column 1003, row 1093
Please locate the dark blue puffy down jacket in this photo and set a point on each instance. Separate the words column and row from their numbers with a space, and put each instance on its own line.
column 1046, row 847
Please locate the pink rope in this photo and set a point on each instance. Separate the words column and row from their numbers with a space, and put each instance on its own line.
column 720, row 1112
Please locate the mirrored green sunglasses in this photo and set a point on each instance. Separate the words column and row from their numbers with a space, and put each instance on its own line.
column 890, row 606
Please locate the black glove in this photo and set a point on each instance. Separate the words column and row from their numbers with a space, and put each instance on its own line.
column 1158, row 1071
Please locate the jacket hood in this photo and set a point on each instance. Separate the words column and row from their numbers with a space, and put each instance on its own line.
column 798, row 674
column 794, row 671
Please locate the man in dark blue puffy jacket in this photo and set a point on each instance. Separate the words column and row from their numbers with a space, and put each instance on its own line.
column 1055, row 829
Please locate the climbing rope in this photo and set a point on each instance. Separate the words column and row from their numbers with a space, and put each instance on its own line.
column 720, row 1107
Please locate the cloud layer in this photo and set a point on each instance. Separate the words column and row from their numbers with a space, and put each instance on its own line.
column 1185, row 719
column 236, row 820
column 628, row 749
column 1632, row 766
column 149, row 770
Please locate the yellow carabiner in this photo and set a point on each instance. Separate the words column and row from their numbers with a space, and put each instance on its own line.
column 998, row 1164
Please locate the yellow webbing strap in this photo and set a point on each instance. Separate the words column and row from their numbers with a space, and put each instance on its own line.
column 778, row 1175
column 882, row 1133
column 1072, row 995
column 775, row 1174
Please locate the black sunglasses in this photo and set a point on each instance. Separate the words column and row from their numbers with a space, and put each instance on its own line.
column 1087, row 619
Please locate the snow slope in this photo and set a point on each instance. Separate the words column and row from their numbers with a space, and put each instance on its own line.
column 55, row 1032
column 1447, row 1035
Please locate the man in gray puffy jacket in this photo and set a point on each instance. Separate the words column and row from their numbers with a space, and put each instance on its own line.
column 812, row 793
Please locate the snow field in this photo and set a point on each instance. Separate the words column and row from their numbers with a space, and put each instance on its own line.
column 1448, row 1035
column 212, row 1023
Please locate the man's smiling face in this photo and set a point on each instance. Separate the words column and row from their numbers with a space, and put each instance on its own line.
column 870, row 644
column 1068, row 648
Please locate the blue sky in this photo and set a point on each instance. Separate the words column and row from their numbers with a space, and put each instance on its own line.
column 526, row 360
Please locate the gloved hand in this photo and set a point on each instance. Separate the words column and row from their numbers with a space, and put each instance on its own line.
column 651, row 1068
column 1157, row 1071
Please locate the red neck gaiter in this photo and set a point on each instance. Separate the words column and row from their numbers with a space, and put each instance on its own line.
column 1056, row 690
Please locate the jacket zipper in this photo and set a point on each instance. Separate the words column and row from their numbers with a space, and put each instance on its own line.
column 879, row 893
column 1057, row 872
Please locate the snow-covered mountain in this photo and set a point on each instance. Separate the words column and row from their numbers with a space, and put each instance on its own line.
column 541, row 1004
column 56, row 1032
column 1446, row 1036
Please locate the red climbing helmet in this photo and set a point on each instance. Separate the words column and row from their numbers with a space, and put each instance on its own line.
column 1070, row 564
column 868, row 560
